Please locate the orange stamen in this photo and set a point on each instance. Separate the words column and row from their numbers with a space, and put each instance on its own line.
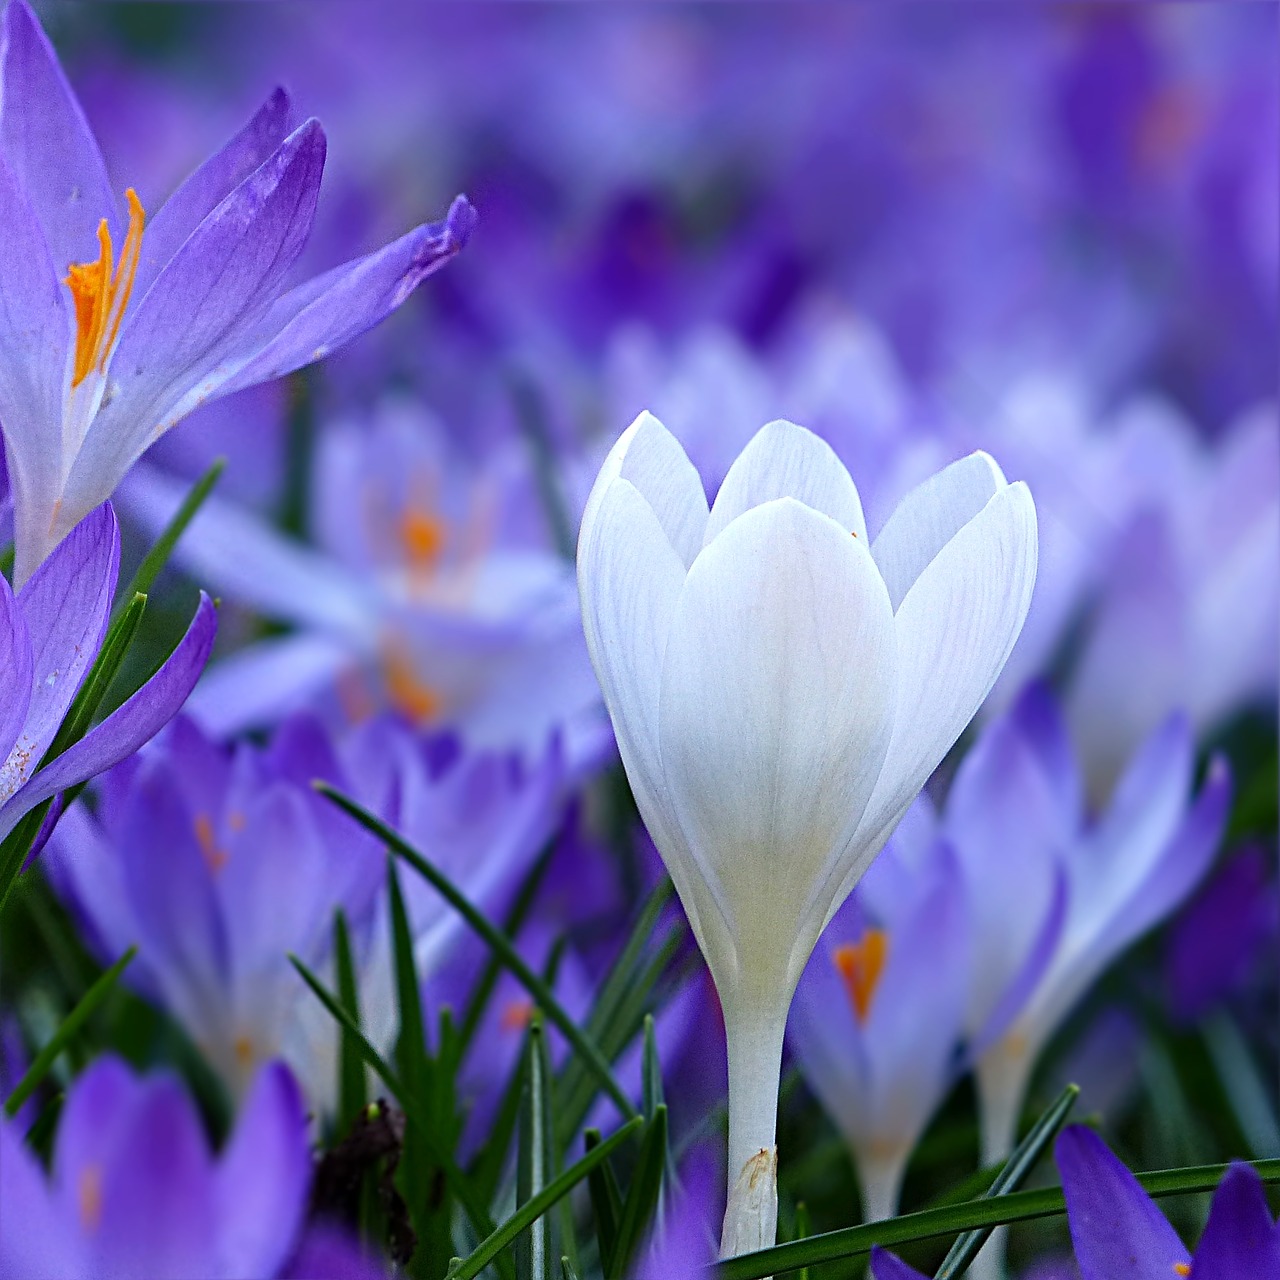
column 1182, row 1268
column 89, row 1197
column 517, row 1015
column 860, row 964
column 410, row 695
column 215, row 857
column 422, row 535
column 100, row 291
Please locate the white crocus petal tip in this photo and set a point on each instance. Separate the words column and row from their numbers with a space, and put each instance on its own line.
column 751, row 1216
column 783, row 460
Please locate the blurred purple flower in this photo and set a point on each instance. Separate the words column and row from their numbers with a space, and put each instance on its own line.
column 428, row 594
column 681, row 1243
column 134, row 1190
column 1182, row 621
column 1054, row 897
column 88, row 381
column 1216, row 944
column 50, row 633
column 878, row 1016
column 1120, row 1234
column 219, row 861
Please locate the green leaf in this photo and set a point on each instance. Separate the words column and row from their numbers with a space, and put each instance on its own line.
column 69, row 1027
column 1019, row 1206
column 567, row 1271
column 352, row 1093
column 1015, row 1171
column 651, row 1071
column 1247, row 1093
column 510, row 926
column 804, row 1229
column 501, row 946
column 606, row 1199
column 156, row 559
column 528, row 1213
column 642, row 1195
column 535, row 1166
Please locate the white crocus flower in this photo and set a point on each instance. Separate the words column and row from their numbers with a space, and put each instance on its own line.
column 781, row 688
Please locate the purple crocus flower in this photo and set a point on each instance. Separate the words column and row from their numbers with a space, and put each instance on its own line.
column 114, row 330
column 219, row 861
column 878, row 1016
column 428, row 593
column 1120, row 1234
column 134, row 1189
column 1055, row 896
column 682, row 1241
column 50, row 633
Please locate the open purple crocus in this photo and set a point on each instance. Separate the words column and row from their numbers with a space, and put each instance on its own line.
column 113, row 325
column 50, row 634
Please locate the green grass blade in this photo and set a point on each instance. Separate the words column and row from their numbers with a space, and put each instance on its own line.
column 68, row 1028
column 1016, row 1168
column 535, row 1165
column 606, row 1200
column 501, row 946
column 528, row 1213
column 651, row 1071
column 156, row 559
column 567, row 1271
column 457, row 1180
column 642, row 1195
column 1019, row 1206
column 352, row 1092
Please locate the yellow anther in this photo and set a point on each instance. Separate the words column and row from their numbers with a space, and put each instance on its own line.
column 89, row 1196
column 1182, row 1268
column 860, row 964
column 100, row 291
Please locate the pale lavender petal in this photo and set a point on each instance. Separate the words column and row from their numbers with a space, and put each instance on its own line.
column 15, row 669
column 1183, row 863
column 263, row 1178
column 128, row 727
column 46, row 138
column 179, row 216
column 317, row 317
column 328, row 1253
column 35, row 334
column 66, row 604
column 220, row 278
column 263, row 683
column 35, row 1243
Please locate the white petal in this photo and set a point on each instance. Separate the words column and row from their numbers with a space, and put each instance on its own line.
column 929, row 516
column 629, row 579
column 955, row 629
column 650, row 457
column 777, row 699
column 786, row 461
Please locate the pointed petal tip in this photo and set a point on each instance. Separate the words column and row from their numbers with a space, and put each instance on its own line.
column 461, row 220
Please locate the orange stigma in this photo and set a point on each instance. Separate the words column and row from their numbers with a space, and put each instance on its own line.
column 411, row 696
column 517, row 1015
column 422, row 535
column 860, row 964
column 1182, row 1268
column 101, row 292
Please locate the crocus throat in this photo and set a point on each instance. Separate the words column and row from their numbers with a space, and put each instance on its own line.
column 101, row 292
column 860, row 964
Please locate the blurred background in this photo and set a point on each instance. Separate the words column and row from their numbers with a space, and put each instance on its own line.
column 1047, row 230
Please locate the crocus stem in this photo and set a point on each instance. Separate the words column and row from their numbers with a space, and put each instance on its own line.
column 880, row 1177
column 755, row 1067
